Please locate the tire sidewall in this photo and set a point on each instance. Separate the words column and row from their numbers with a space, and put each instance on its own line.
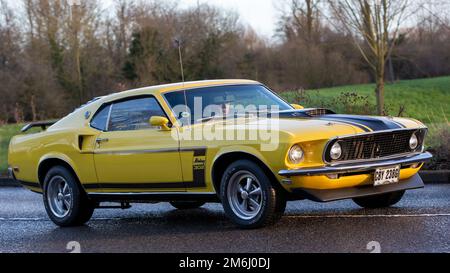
column 266, row 187
column 76, row 196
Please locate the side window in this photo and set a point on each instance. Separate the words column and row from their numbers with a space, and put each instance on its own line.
column 99, row 120
column 134, row 114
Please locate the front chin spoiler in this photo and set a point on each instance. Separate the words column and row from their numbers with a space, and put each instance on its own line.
column 358, row 167
column 414, row 182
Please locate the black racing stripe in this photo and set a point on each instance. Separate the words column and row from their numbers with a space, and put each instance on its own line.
column 399, row 124
column 346, row 122
column 374, row 123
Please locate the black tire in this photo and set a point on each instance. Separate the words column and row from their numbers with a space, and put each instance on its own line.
column 187, row 204
column 272, row 200
column 80, row 209
column 379, row 201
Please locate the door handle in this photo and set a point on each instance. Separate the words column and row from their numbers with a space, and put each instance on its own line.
column 101, row 140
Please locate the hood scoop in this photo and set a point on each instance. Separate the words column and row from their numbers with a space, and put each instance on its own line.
column 306, row 113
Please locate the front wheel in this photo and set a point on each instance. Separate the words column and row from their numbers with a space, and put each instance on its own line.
column 65, row 202
column 248, row 197
column 379, row 201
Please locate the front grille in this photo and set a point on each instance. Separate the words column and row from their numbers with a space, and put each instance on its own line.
column 376, row 145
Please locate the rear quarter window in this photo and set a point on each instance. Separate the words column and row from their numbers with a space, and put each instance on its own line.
column 100, row 119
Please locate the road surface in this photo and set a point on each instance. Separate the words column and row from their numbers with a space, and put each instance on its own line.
column 419, row 223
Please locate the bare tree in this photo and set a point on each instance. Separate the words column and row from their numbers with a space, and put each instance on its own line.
column 301, row 19
column 377, row 23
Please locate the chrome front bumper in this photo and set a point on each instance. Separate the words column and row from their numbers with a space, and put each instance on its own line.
column 359, row 166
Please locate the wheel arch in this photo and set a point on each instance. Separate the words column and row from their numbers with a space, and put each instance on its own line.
column 50, row 161
column 223, row 160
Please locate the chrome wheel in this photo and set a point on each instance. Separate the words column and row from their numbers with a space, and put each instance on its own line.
column 59, row 196
column 245, row 195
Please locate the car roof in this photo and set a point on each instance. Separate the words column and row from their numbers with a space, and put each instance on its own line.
column 160, row 89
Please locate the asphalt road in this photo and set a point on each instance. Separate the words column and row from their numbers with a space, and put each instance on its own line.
column 419, row 223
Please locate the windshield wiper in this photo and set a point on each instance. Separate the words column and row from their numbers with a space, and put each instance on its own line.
column 235, row 115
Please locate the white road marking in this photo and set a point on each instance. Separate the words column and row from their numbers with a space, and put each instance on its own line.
column 286, row 216
column 31, row 219
column 371, row 215
column 23, row 219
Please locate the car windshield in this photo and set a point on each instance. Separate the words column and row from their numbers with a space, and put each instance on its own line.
column 204, row 104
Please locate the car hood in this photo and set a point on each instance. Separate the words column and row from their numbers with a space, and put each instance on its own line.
column 311, row 124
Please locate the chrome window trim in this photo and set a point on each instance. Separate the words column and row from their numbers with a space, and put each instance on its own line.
column 111, row 103
column 108, row 119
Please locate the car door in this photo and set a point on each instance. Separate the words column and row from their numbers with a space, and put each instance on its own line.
column 130, row 154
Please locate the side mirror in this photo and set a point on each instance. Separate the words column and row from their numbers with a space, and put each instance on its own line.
column 297, row 106
column 158, row 121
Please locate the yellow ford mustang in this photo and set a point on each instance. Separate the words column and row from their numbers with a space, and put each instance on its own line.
column 228, row 141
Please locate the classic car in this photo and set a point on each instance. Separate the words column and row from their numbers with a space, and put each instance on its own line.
column 159, row 144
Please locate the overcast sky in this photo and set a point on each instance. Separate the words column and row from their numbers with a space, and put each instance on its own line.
column 260, row 14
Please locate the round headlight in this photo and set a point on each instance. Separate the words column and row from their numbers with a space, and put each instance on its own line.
column 295, row 154
column 336, row 151
column 413, row 142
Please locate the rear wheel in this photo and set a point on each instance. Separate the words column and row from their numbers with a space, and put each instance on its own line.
column 65, row 201
column 187, row 204
column 248, row 197
column 379, row 201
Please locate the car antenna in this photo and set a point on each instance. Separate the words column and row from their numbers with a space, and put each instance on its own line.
column 178, row 44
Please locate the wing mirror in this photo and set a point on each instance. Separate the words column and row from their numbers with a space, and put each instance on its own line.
column 297, row 106
column 158, row 121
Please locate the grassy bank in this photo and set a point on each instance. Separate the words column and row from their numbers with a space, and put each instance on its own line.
column 427, row 100
column 6, row 133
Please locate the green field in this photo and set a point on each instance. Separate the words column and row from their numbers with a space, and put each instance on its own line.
column 426, row 99
column 6, row 132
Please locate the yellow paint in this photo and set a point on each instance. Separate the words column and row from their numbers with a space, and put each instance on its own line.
column 154, row 156
column 160, row 122
column 297, row 106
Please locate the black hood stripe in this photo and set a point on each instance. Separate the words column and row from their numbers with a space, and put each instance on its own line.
column 374, row 123
column 346, row 122
column 399, row 124
column 366, row 123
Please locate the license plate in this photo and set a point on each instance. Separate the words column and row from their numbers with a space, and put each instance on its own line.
column 384, row 176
